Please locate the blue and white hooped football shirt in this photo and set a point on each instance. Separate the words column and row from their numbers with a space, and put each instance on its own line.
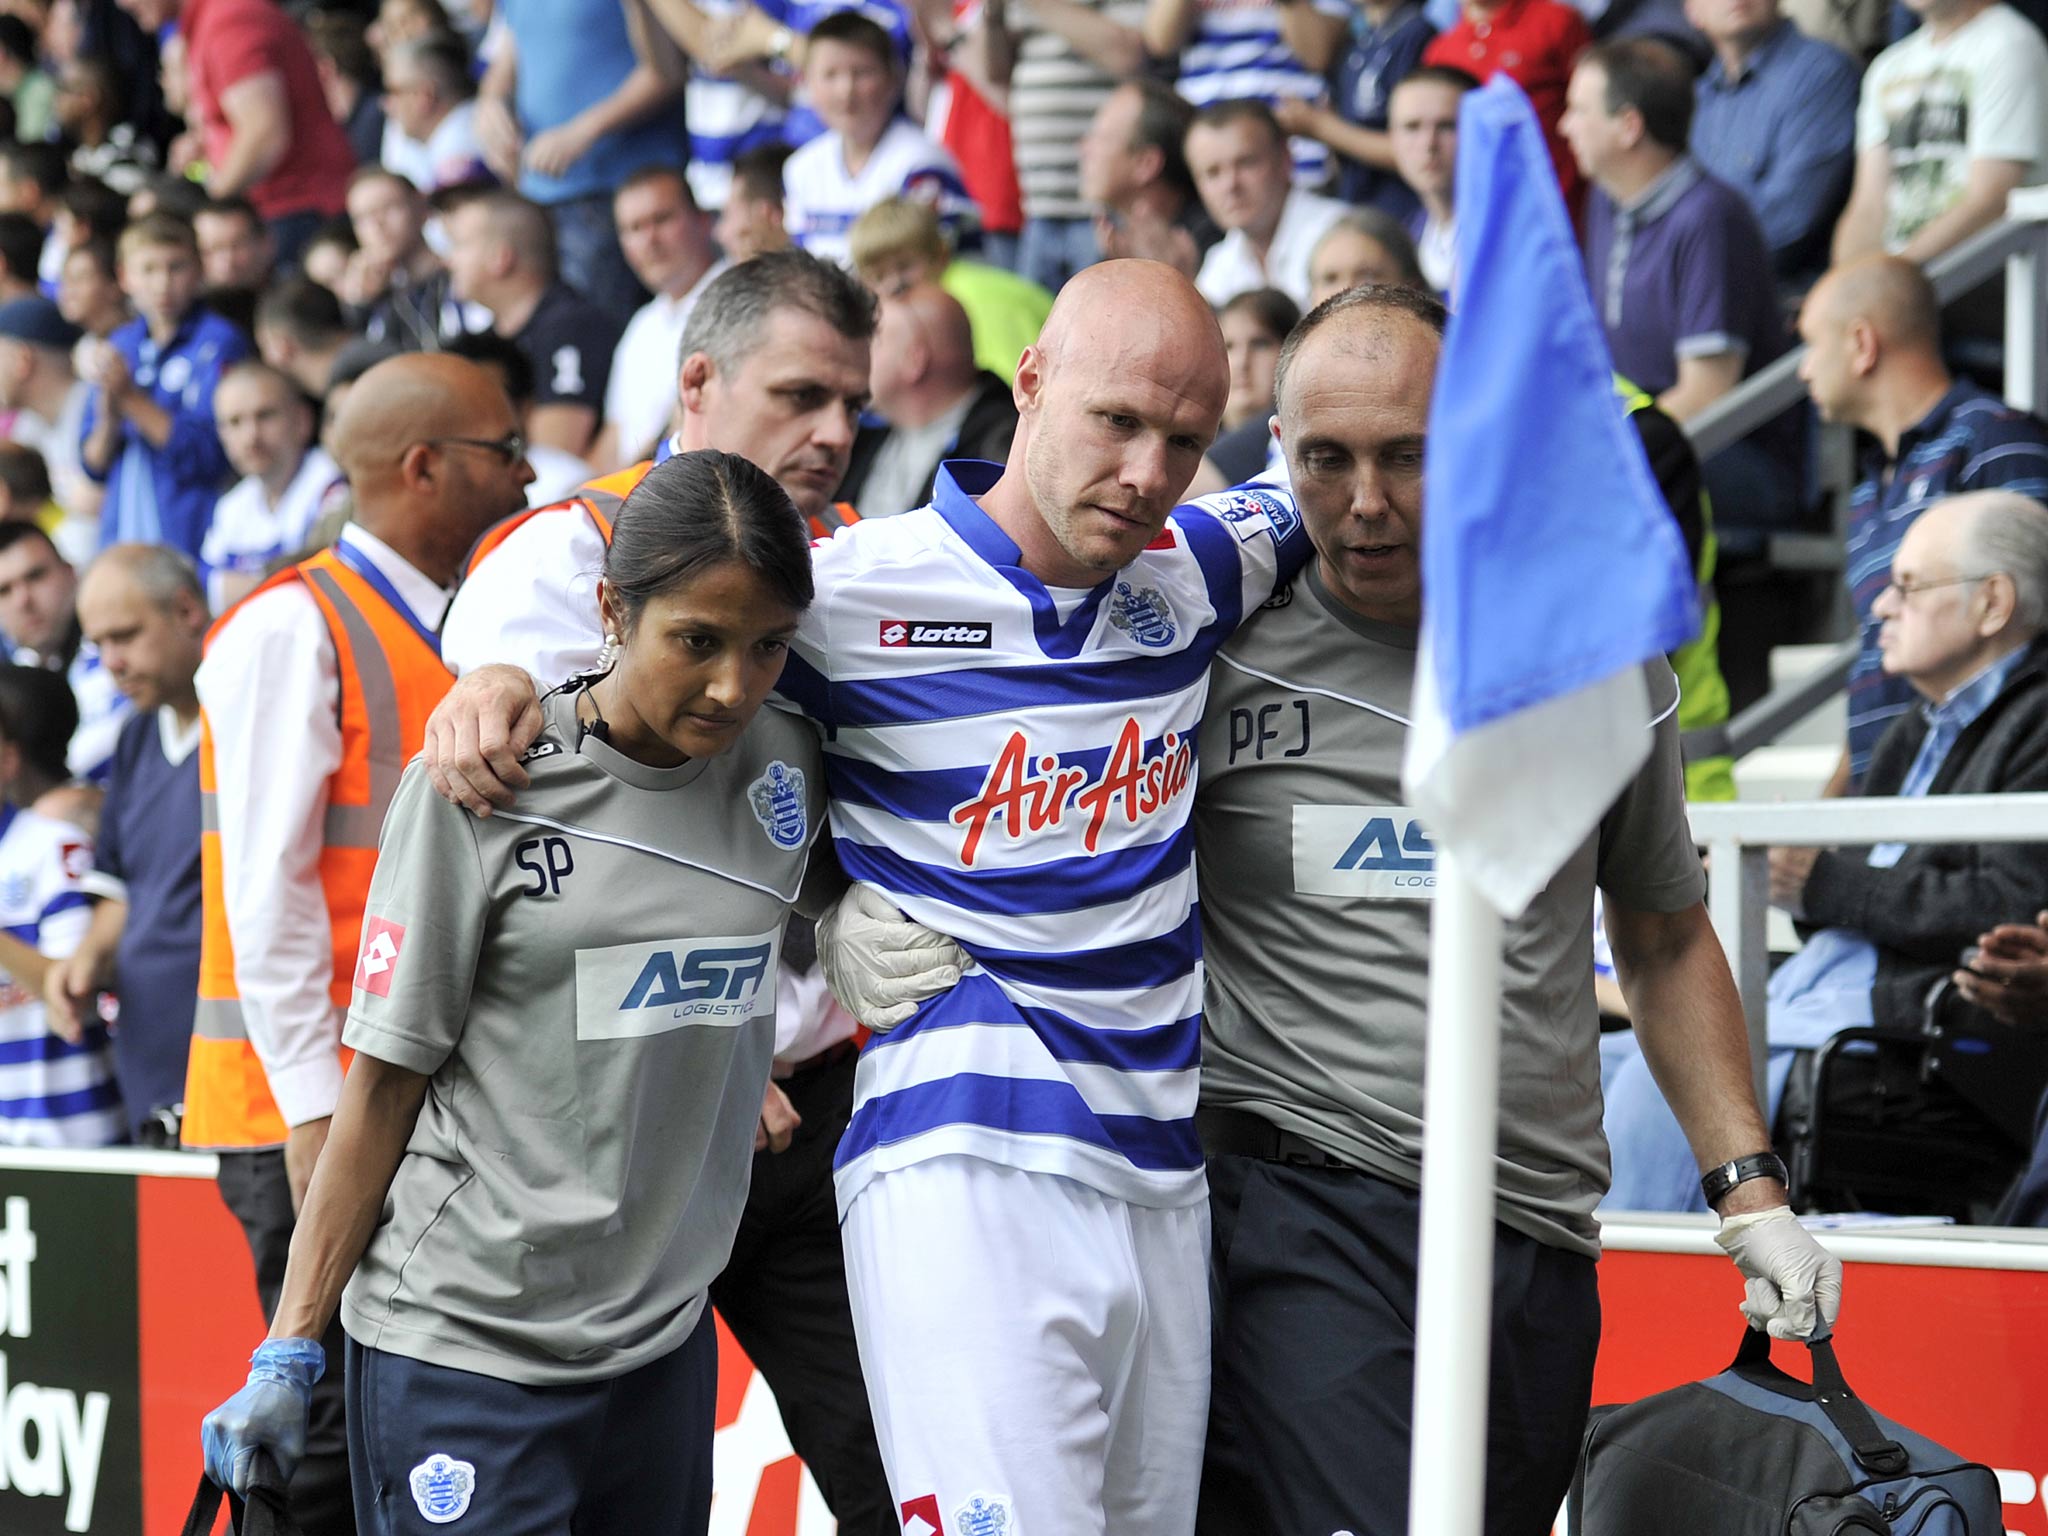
column 52, row 1093
column 1023, row 783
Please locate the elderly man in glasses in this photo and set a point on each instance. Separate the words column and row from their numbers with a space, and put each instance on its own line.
column 1873, row 360
column 1961, row 623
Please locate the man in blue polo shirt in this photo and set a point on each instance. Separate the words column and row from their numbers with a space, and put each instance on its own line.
column 142, row 606
column 1775, row 118
column 1678, row 268
column 1873, row 336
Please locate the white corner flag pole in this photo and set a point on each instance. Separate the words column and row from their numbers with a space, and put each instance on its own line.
column 1454, row 1282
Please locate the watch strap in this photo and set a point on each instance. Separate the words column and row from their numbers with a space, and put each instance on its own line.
column 1716, row 1182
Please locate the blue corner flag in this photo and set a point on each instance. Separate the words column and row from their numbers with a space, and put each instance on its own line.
column 1551, row 568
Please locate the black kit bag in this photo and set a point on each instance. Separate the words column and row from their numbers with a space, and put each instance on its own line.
column 1756, row 1452
column 264, row 1513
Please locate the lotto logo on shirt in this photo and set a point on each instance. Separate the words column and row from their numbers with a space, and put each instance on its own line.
column 1027, row 792
column 1370, row 852
column 942, row 634
column 378, row 958
column 921, row 1517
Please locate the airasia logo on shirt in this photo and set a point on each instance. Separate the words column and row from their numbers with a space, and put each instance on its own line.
column 1026, row 792
column 377, row 960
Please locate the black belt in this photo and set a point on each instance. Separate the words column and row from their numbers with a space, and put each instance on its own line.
column 1235, row 1133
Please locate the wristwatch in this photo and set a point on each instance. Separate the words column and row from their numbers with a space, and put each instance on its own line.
column 780, row 41
column 1716, row 1182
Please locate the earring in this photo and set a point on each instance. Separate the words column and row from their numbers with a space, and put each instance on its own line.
column 609, row 655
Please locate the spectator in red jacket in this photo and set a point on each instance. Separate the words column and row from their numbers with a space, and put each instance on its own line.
column 261, row 114
column 1535, row 43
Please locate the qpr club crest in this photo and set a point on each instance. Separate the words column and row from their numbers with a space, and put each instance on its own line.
column 441, row 1487
column 1143, row 614
column 778, row 801
column 984, row 1515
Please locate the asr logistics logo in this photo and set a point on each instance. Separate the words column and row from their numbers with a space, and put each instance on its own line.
column 630, row 991
column 706, row 982
column 1369, row 852
column 1027, row 792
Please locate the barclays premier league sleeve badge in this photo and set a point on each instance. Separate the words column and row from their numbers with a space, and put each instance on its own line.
column 441, row 1487
column 778, row 801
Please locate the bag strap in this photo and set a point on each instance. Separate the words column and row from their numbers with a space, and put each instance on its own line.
column 265, row 1512
column 1875, row 1451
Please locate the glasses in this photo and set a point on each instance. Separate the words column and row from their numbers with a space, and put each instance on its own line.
column 1906, row 591
column 511, row 447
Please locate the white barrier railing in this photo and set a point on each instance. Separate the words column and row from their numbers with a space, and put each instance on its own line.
column 1738, row 839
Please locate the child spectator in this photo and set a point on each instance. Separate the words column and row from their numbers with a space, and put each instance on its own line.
column 898, row 244
column 751, row 222
column 54, row 1091
column 266, row 427
column 149, row 429
column 868, row 151
column 89, row 290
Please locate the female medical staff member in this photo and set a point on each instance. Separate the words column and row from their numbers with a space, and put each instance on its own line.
column 563, row 1018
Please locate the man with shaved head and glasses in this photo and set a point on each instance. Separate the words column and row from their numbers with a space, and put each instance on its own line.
column 314, row 694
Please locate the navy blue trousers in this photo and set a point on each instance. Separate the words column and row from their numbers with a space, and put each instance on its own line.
column 435, row 1450
column 1312, row 1279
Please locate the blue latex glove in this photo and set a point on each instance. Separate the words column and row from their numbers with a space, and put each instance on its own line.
column 269, row 1414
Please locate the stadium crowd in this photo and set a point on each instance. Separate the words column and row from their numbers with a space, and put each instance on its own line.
column 336, row 345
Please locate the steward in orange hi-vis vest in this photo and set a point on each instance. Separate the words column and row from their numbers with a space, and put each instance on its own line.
column 601, row 499
column 391, row 678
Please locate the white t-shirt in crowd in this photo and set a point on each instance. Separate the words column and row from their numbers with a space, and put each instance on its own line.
column 641, row 394
column 1232, row 266
column 1981, row 93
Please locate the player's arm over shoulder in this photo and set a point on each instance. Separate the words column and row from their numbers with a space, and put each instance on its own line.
column 1265, row 528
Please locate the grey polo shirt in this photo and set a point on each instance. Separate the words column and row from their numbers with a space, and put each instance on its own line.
column 589, row 979
column 1316, row 890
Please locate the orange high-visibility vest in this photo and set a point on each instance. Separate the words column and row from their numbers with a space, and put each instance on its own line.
column 600, row 501
column 391, row 679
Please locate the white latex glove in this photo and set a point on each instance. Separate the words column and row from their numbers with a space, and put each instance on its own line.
column 880, row 964
column 1791, row 1278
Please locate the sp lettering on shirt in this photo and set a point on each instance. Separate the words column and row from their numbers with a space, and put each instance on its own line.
column 629, row 991
column 377, row 959
column 1027, row 792
column 937, row 634
column 1365, row 852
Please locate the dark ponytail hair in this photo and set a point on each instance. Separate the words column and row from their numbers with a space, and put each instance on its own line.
column 702, row 509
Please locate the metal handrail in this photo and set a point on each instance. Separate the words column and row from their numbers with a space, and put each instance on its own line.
column 1739, row 837
column 1778, row 711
